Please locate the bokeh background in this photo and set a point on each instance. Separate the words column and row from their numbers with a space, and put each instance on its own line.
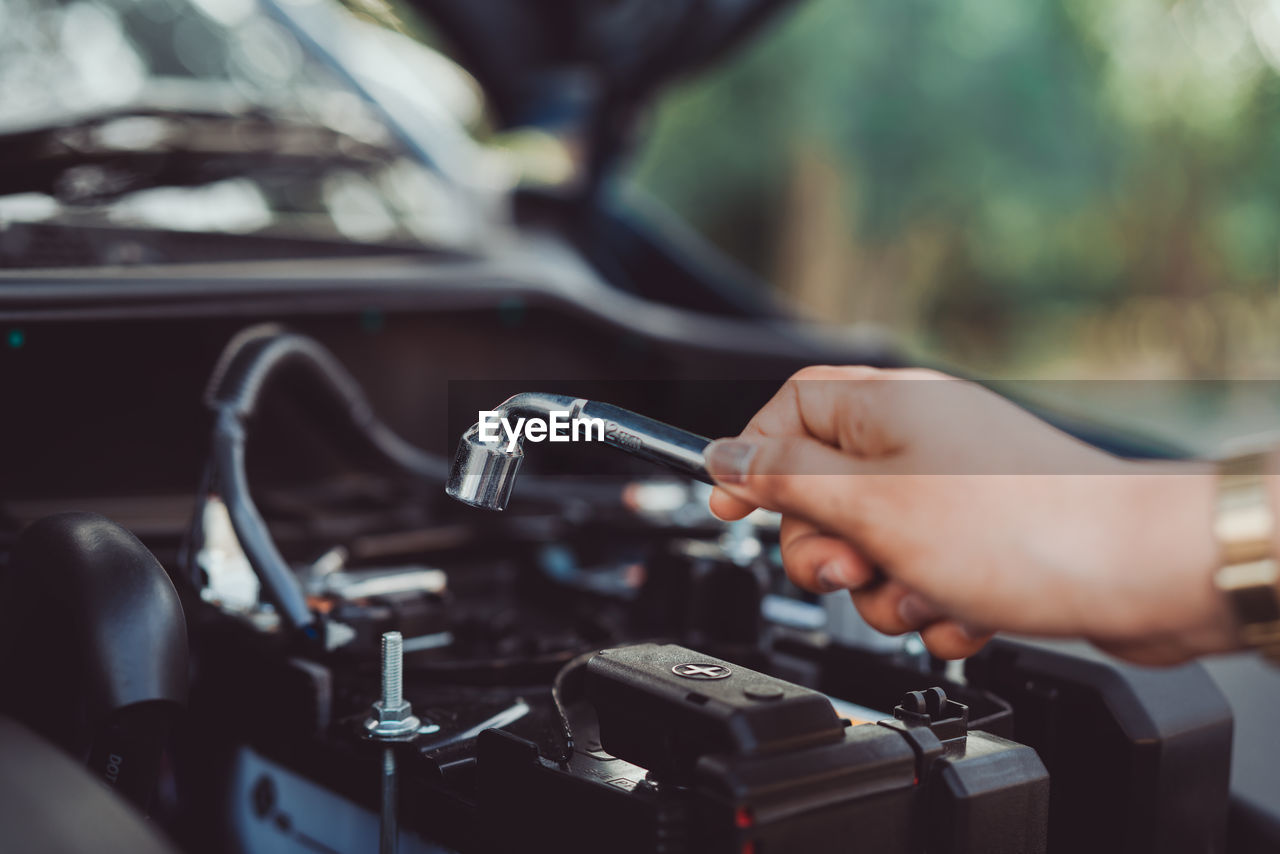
column 1026, row 190
column 1021, row 188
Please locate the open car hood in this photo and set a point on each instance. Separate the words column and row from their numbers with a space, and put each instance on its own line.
column 587, row 61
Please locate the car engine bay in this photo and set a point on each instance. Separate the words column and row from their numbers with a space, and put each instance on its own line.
column 562, row 658
column 265, row 586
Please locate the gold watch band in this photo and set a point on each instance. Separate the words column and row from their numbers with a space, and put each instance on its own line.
column 1245, row 526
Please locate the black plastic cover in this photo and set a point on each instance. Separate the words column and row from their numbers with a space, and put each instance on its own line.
column 664, row 706
column 990, row 797
column 732, row 778
column 1140, row 758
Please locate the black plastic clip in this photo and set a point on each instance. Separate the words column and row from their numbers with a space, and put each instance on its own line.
column 946, row 718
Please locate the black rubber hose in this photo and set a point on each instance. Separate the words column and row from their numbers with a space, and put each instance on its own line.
column 94, row 649
column 259, row 353
column 228, row 479
column 249, row 362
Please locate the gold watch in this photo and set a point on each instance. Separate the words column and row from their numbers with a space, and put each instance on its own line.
column 1245, row 526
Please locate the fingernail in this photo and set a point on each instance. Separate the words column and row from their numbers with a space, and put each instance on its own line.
column 833, row 576
column 729, row 460
column 717, row 515
column 914, row 611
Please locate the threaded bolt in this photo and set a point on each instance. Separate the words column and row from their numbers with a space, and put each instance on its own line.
column 392, row 669
column 392, row 716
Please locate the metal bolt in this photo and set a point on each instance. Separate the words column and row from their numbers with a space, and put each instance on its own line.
column 392, row 669
column 392, row 716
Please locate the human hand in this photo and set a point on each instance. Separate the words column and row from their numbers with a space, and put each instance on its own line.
column 946, row 509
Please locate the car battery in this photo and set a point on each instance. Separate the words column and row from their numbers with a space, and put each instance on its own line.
column 683, row 752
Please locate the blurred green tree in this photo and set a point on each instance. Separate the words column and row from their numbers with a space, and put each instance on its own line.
column 1015, row 185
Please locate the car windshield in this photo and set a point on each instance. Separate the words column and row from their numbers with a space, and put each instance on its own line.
column 286, row 114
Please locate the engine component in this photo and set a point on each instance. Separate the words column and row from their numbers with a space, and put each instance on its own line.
column 664, row 707
column 93, row 627
column 1140, row 758
column 259, row 355
column 254, row 357
column 696, row 754
column 484, row 470
column 696, row 589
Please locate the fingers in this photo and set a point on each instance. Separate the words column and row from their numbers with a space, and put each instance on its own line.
column 881, row 607
column 859, row 410
column 951, row 640
column 728, row 508
column 833, row 451
column 821, row 563
column 894, row 610
column 802, row 477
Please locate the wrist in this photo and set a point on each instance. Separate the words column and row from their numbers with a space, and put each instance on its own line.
column 1161, row 604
